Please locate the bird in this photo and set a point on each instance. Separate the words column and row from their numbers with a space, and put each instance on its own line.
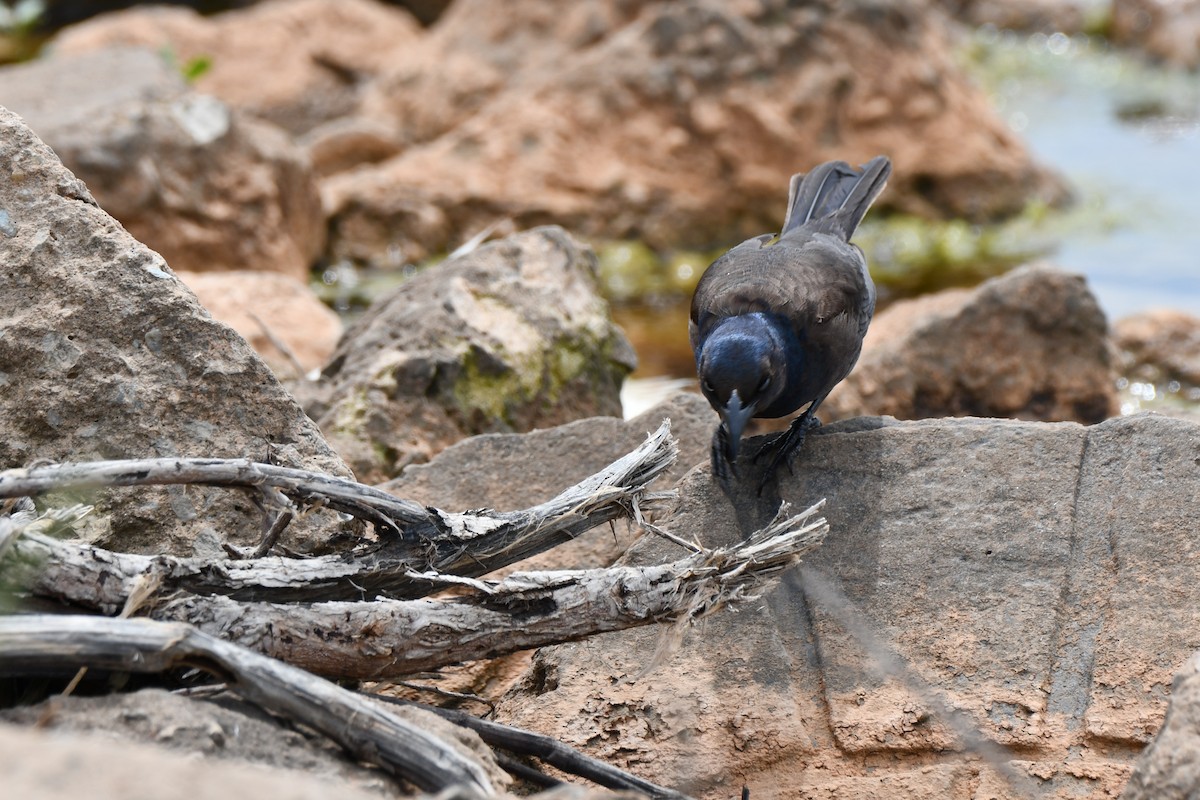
column 778, row 320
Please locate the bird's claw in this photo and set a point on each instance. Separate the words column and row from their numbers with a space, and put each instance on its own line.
column 784, row 448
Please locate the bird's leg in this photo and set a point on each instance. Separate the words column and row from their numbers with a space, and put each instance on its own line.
column 786, row 445
column 724, row 469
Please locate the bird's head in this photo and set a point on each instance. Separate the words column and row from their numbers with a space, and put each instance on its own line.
column 742, row 370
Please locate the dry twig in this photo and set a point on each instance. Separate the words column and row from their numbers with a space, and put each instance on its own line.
column 428, row 540
column 382, row 639
column 35, row 643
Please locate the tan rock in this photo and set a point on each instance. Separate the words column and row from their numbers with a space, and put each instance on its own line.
column 268, row 310
column 205, row 186
column 1166, row 30
column 297, row 63
column 675, row 123
column 1159, row 346
column 1031, row 344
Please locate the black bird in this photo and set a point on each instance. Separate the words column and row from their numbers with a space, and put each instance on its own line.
column 777, row 322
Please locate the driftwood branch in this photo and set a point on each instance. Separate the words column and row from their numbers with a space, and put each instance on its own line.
column 36, row 643
column 467, row 544
column 550, row 751
column 387, row 638
column 301, row 487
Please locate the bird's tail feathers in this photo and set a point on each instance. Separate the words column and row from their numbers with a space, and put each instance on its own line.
column 836, row 193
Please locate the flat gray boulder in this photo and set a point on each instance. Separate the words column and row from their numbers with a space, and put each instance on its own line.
column 1035, row 575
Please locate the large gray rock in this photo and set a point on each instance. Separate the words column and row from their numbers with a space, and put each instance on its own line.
column 104, row 354
column 1036, row 575
column 509, row 337
column 509, row 109
column 205, row 186
column 1031, row 344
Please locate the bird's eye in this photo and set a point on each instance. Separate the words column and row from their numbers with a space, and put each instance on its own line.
column 763, row 384
column 706, row 386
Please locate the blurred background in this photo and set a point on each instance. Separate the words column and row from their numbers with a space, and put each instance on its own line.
column 376, row 138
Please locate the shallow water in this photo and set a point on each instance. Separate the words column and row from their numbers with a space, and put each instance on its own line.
column 1127, row 138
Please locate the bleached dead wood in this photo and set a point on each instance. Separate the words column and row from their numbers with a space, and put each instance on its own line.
column 387, row 638
column 423, row 539
column 33, row 643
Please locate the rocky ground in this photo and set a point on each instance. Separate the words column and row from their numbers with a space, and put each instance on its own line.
column 1006, row 550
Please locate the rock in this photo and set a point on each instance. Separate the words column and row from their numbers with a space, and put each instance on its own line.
column 224, row 729
column 205, row 186
column 718, row 104
column 56, row 766
column 105, row 354
column 1031, row 344
column 479, row 471
column 1169, row 769
column 1159, row 346
column 268, row 309
column 296, row 63
column 345, row 143
column 1166, row 30
column 1033, row 574
column 509, row 337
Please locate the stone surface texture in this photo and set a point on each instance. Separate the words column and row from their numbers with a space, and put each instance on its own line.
column 673, row 122
column 67, row 766
column 1169, row 769
column 296, row 63
column 1031, row 344
column 1166, row 30
column 508, row 337
column 104, row 353
column 1159, row 346
column 268, row 309
column 1038, row 577
column 204, row 185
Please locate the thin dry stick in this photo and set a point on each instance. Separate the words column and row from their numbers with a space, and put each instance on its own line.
column 549, row 750
column 468, row 544
column 383, row 639
column 35, row 643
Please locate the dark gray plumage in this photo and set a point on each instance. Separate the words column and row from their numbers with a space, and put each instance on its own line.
column 777, row 323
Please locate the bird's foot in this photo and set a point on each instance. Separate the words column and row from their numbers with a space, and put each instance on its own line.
column 784, row 448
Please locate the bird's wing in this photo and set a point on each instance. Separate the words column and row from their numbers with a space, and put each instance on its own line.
column 809, row 283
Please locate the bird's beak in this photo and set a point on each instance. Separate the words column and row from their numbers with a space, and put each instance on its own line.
column 736, row 416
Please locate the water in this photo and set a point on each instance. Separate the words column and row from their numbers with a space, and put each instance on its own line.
column 1127, row 138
